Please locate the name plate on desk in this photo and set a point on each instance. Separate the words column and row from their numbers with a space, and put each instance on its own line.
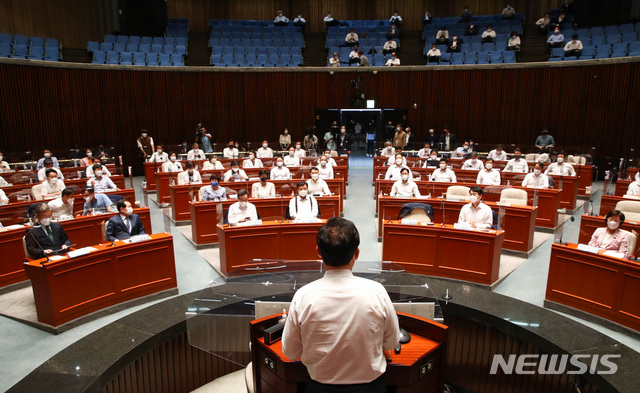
column 584, row 247
column 409, row 221
column 250, row 223
column 138, row 238
column 80, row 252
column 310, row 220
column 462, row 225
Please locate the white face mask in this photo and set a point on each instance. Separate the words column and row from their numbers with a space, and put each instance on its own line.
column 279, row 163
column 128, row 211
column 286, row 132
column 291, row 152
column 314, row 176
column 431, row 131
column 159, row 151
column 613, row 225
column 297, row 146
column 252, row 157
column 89, row 154
column 473, row 160
column 560, row 160
column 45, row 222
column 443, row 166
column 434, row 157
column 54, row 180
column 466, row 147
column 405, row 177
column 473, row 199
column 265, row 145
column 98, row 173
column 242, row 204
column 488, row 166
column 47, row 155
column 144, row 135
column 173, row 159
column 537, row 171
column 398, row 161
column 323, row 163
column 302, row 193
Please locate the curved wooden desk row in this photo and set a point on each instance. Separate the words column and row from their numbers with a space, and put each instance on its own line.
column 71, row 171
column 470, row 255
column 518, row 221
column 72, row 287
column 337, row 185
column 609, row 202
column 82, row 231
column 118, row 180
column 548, row 199
column 588, row 225
column 417, row 368
column 595, row 283
column 150, row 168
column 622, row 186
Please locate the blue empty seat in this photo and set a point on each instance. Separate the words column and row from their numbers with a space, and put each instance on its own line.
column 157, row 41
column 495, row 56
column 483, row 57
column 470, row 58
column 215, row 59
column 164, row 59
column 21, row 39
column 217, row 50
column 613, row 38
column 132, row 47
column 113, row 57
column 597, row 40
column 171, row 41
column 110, row 38
column 37, row 41
column 126, row 58
column 20, row 50
column 625, row 28
column 93, row 46
column 177, row 60
column 99, row 57
column 634, row 49
column 5, row 48
column 296, row 59
column 588, row 52
column 629, row 37
column 595, row 31
column 106, row 46
column 602, row 51
column 181, row 41
column 228, row 60
column 509, row 57
column 145, row 48
column 555, row 59
column 135, row 40
column 139, row 58
column 557, row 52
column 119, row 47
column 52, row 54
column 6, row 38
column 156, row 48
column 445, row 58
column 122, row 39
column 610, row 29
column 262, row 59
column 619, row 50
column 152, row 59
column 36, row 52
column 52, row 42
column 146, row 40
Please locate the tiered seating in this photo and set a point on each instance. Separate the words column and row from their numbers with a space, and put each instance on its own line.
column 372, row 35
column 237, row 43
column 602, row 42
column 166, row 51
column 32, row 48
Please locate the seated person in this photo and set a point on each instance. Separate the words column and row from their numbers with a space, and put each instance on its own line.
column 476, row 213
column 560, row 167
column 316, row 185
column 611, row 237
column 303, row 206
column 389, row 47
column 89, row 170
column 95, row 202
column 543, row 24
column 443, row 174
column 330, row 161
column 48, row 164
column 536, row 179
column 280, row 171
column 52, row 187
column 190, row 176
column 159, row 155
column 47, row 154
column 488, row 175
column 329, row 21
column 45, row 238
column 4, row 166
column 388, row 151
column 325, row 169
column 100, row 183
column 573, row 47
column 243, row 210
column 434, row 54
column 285, row 139
column 173, row 165
column 252, row 162
column 442, row 36
column 300, row 22
column 265, row 151
column 196, row 153
column 517, row 163
column 393, row 61
column 230, row 151
column 405, row 186
column 473, row 163
column 334, row 61
column 353, row 55
column 235, row 173
column 514, row 42
column 508, row 12
column 454, row 47
column 472, row 28
column 425, row 152
column 213, row 163
column 427, row 19
column 124, row 225
column 393, row 172
column 299, row 151
column 392, row 160
column 393, row 32
column 87, row 160
column 63, row 205
column 556, row 39
column 280, row 20
column 464, row 151
column 351, row 38
column 3, row 183
column 291, row 159
column 488, row 35
column 498, row 154
column 264, row 188
column 214, row 192
column 433, row 160
column 466, row 16
column 634, row 187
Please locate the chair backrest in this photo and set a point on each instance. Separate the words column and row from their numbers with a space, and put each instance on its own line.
column 103, row 229
column 514, row 196
column 26, row 251
column 532, row 156
column 201, row 192
column 37, row 192
column 458, row 193
column 633, row 240
column 418, row 214
column 631, row 210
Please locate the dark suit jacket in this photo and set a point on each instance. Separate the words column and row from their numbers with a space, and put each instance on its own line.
column 407, row 208
column 411, row 141
column 36, row 235
column 452, row 141
column 433, row 140
column 117, row 230
column 344, row 145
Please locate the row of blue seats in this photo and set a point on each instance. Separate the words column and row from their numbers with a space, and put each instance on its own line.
column 256, row 34
column 19, row 51
column 362, row 23
column 614, row 38
column 429, row 35
column 259, row 59
column 250, row 24
column 248, row 43
column 177, row 21
column 267, row 51
column 6, row 38
column 361, row 35
column 495, row 57
column 604, row 30
column 361, row 43
column 518, row 17
column 137, row 58
column 93, row 46
column 600, row 51
column 344, row 52
column 137, row 40
column 343, row 30
column 474, row 47
column 377, row 59
column 503, row 25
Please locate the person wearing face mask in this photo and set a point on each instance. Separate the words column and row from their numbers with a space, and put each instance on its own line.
column 95, row 202
column 476, row 213
column 325, row 170
column 431, row 138
column 52, row 187
column 400, row 137
column 291, row 159
column 536, row 179
column 405, row 187
column 448, row 140
column 285, row 139
column 235, row 173
column 173, row 165
column 280, row 171
column 612, row 237
column 489, row 35
column 392, row 159
column 196, row 153
column 45, row 238
column 443, row 174
column 48, row 164
column 100, row 182
column 393, row 172
column 4, row 166
column 560, row 167
column 425, row 152
column 63, row 205
column 344, row 141
column 498, row 154
column 145, row 145
column 330, row 161
column 388, row 151
column 47, row 155
column 124, row 225
column 159, row 155
column 473, row 164
column 87, row 160
column 488, row 175
column 555, row 40
column 634, row 187
column 243, row 210
column 252, row 162
column 303, row 206
column 230, row 151
column 316, row 185
column 89, row 171
column 212, row 164
column 264, row 188
column 464, row 151
column 432, row 161
column 190, row 175
column 214, row 192
column 517, row 163
column 299, row 151
column 265, row 151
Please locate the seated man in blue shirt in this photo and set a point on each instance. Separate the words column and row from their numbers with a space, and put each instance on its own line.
column 214, row 191
column 555, row 40
column 95, row 202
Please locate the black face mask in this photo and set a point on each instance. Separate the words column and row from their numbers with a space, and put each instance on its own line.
column 231, row 146
column 263, row 179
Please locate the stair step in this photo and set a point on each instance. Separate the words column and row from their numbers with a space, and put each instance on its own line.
column 76, row 55
column 198, row 49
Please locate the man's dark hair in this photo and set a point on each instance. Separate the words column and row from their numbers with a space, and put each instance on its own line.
column 613, row 213
column 242, row 192
column 215, row 177
column 477, row 189
column 234, row 163
column 41, row 208
column 337, row 241
column 95, row 167
column 262, row 172
column 67, row 191
column 301, row 183
column 90, row 190
column 50, row 170
column 360, row 52
column 404, row 169
column 121, row 204
column 541, row 164
column 315, row 168
column 517, row 149
column 190, row 165
column 474, row 154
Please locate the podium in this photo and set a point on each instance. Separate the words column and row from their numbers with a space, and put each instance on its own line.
column 417, row 368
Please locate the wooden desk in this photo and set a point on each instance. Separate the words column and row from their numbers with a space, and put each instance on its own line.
column 585, row 178
column 11, row 263
column 622, row 186
column 427, row 345
column 444, row 251
column 518, row 221
column 595, row 283
column 72, row 287
column 548, row 199
column 609, row 202
column 76, row 184
column 588, row 225
column 271, row 240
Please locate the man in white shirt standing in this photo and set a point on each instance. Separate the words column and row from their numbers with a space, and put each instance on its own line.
column 517, row 163
column 195, row 153
column 292, row 160
column 536, row 179
column 498, row 154
column 265, row 151
column 393, row 173
column 316, row 184
column 333, row 352
column 280, row 172
column 473, row 163
column 443, row 174
column 405, row 186
column 560, row 167
column 252, row 162
column 488, row 176
column 230, row 151
column 62, row 205
column 243, row 210
column 476, row 213
column 303, row 206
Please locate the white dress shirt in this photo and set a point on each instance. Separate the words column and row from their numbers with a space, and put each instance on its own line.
column 424, row 153
column 533, row 181
column 195, row 154
column 393, row 172
column 239, row 175
column 207, row 166
column 489, row 178
column 280, row 173
column 291, row 160
column 338, row 326
column 256, row 163
column 42, row 176
column 300, row 152
column 58, row 207
column 434, row 52
column 102, row 184
column 264, row 152
column 3, row 197
column 497, row 156
column 260, row 191
column 400, row 188
column 474, row 165
column 236, row 214
column 48, row 188
column 303, row 208
column 392, row 160
column 183, row 178
column 518, row 166
column 326, row 172
column 634, row 188
column 393, row 61
column 388, row 151
column 573, row 45
column 159, row 157
column 563, row 169
column 89, row 171
column 4, row 166
column 390, row 45
column 481, row 216
column 314, row 186
column 169, row 166
column 446, row 175
column 230, row 153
